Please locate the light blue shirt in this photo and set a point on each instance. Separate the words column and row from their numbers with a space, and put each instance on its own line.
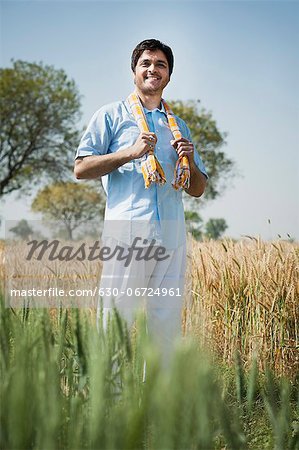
column 153, row 213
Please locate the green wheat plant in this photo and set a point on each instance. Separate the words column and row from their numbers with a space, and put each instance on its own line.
column 66, row 384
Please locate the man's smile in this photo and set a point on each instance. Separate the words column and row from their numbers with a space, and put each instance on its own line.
column 153, row 81
column 152, row 78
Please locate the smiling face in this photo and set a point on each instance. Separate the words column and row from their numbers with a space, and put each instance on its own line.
column 151, row 72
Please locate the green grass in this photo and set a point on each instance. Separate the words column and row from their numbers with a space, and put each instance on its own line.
column 66, row 386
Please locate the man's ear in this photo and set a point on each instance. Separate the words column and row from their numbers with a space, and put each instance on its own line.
column 133, row 75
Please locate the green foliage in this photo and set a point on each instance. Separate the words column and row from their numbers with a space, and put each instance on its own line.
column 70, row 204
column 66, row 385
column 39, row 109
column 214, row 228
column 194, row 224
column 22, row 229
column 208, row 141
column 277, row 402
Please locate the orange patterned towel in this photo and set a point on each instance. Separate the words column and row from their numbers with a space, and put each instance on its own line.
column 151, row 168
column 182, row 167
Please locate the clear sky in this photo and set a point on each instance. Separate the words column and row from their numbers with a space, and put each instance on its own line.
column 240, row 58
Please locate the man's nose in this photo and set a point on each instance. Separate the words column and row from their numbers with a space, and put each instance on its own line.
column 151, row 68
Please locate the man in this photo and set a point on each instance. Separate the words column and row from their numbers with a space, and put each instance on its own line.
column 114, row 148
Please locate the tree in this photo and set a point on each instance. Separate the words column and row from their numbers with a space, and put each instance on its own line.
column 208, row 140
column 38, row 110
column 194, row 224
column 215, row 228
column 70, row 204
column 22, row 229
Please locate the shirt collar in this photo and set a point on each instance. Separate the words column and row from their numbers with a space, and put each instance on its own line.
column 161, row 109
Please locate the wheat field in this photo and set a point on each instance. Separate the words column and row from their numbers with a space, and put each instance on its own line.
column 238, row 296
column 232, row 382
column 245, row 296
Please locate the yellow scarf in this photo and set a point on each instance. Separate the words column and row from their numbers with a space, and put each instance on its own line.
column 151, row 168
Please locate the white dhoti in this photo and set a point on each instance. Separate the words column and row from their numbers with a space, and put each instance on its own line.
column 161, row 284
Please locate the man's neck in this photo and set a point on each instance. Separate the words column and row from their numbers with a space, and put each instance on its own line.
column 150, row 101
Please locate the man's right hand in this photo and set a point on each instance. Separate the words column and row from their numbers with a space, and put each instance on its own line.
column 95, row 166
column 144, row 143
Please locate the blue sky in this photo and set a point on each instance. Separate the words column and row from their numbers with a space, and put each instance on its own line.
column 238, row 57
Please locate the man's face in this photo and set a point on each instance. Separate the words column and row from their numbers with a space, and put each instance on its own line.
column 151, row 72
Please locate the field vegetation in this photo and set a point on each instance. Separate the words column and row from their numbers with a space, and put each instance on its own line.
column 232, row 382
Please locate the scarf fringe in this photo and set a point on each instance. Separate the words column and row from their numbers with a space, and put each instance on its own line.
column 181, row 178
column 152, row 171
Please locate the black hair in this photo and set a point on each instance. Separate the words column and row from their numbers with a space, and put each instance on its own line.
column 152, row 44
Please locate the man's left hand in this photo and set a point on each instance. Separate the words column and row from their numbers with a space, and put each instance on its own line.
column 184, row 148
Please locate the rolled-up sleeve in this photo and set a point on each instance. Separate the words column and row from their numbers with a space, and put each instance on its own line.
column 97, row 136
column 197, row 159
column 199, row 163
